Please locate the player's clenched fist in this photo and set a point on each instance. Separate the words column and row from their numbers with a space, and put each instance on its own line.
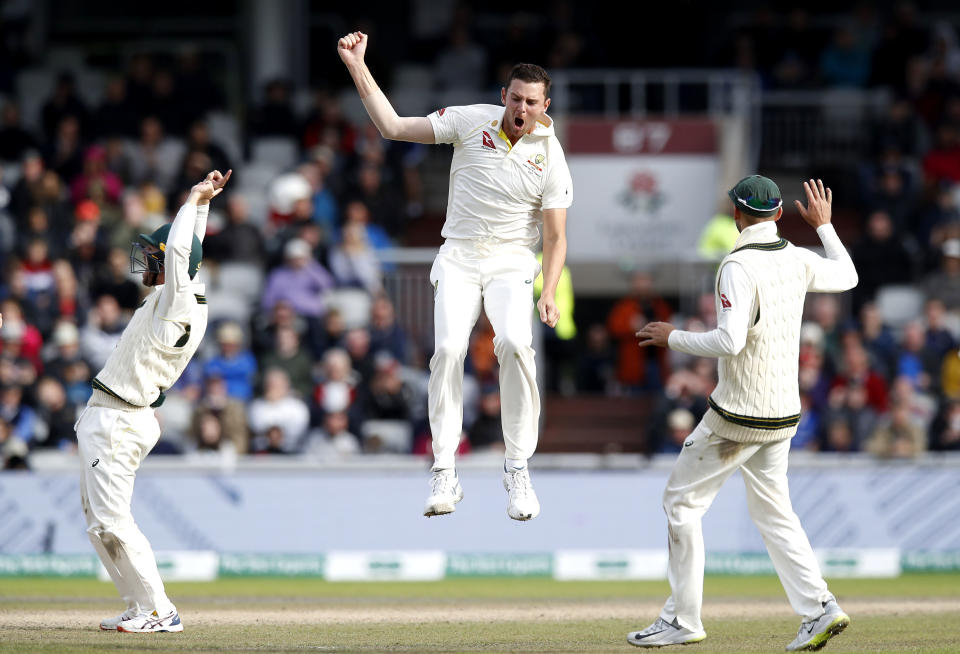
column 352, row 47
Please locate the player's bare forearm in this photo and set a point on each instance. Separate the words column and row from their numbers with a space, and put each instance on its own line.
column 352, row 48
column 554, row 256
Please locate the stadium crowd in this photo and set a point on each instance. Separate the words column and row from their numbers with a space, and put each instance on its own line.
column 287, row 366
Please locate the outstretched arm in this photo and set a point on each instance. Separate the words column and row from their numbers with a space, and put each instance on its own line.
column 836, row 272
column 351, row 48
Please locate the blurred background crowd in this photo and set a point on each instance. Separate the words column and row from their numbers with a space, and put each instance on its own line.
column 307, row 350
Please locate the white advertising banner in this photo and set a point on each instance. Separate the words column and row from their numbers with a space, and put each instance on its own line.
column 639, row 208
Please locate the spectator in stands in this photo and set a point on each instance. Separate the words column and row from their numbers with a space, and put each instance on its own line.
column 921, row 406
column 897, row 436
column 301, row 281
column 196, row 89
column 62, row 104
column 154, row 158
column 63, row 152
column 358, row 345
column 18, row 369
column 942, row 161
column 234, row 364
column 857, row 375
column 879, row 340
column 386, row 335
column 198, row 140
column 917, row 362
column 680, row 424
column 278, row 410
column 96, row 182
column 938, row 338
column 56, row 414
column 334, row 439
column 944, row 284
column 115, row 116
column 383, row 202
column 99, row 337
column 337, row 388
column 684, row 392
column 239, row 240
column 69, row 302
column 595, row 368
column 356, row 212
column 639, row 369
column 64, row 356
column 324, row 210
column 86, row 249
column 13, row 450
column 331, row 333
column 486, row 432
column 462, row 64
column 846, row 61
column 26, row 192
column 387, row 397
column 880, row 258
column 945, row 432
column 353, row 262
column 893, row 190
column 115, row 280
column 38, row 227
column 288, row 355
column 219, row 421
column 899, row 129
column 22, row 418
column 132, row 222
column 839, row 435
column 326, row 126
column 15, row 141
column 29, row 340
column 275, row 117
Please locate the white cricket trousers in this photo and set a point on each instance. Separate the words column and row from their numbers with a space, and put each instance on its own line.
column 468, row 275
column 112, row 444
column 704, row 464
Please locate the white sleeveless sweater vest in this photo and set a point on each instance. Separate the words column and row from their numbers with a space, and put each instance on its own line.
column 141, row 368
column 757, row 398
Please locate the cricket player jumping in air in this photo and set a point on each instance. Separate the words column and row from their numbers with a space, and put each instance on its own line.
column 753, row 413
column 118, row 428
column 508, row 175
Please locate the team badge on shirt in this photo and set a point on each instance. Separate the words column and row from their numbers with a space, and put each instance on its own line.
column 488, row 141
column 440, row 111
column 724, row 302
column 533, row 165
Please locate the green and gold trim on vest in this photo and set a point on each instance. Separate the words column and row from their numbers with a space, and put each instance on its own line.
column 754, row 422
column 98, row 385
column 776, row 245
column 201, row 299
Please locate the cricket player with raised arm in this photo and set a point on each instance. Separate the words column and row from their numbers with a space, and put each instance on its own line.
column 118, row 428
column 754, row 411
column 508, row 176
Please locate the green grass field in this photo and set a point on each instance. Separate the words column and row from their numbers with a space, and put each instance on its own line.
column 914, row 613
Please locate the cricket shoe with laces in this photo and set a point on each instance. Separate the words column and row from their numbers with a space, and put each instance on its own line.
column 110, row 624
column 445, row 492
column 149, row 623
column 662, row 633
column 814, row 634
column 522, row 502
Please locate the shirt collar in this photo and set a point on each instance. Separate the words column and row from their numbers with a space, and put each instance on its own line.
column 765, row 232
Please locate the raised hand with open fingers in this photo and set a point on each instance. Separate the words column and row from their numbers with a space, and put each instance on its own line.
column 819, row 204
column 352, row 47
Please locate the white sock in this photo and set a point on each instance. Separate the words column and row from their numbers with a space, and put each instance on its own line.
column 515, row 464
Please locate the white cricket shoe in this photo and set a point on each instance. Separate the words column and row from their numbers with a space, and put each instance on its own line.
column 149, row 623
column 523, row 503
column 662, row 633
column 110, row 624
column 445, row 492
column 814, row 634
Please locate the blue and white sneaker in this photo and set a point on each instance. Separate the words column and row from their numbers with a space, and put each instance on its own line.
column 148, row 623
column 814, row 634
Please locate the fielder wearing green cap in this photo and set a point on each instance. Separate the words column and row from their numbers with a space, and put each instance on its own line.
column 754, row 410
column 118, row 427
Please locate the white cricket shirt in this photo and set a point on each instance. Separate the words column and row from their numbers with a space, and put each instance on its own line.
column 499, row 189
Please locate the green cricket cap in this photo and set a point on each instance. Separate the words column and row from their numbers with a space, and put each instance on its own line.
column 756, row 196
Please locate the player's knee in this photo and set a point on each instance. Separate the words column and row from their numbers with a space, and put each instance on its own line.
column 448, row 353
column 510, row 346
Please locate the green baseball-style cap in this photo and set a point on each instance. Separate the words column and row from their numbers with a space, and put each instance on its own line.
column 158, row 239
column 756, row 196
